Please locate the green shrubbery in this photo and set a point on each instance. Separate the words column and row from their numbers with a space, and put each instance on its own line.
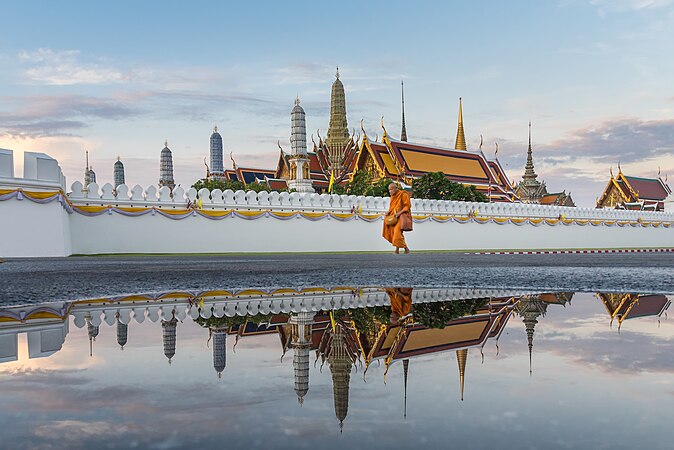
column 364, row 183
column 436, row 186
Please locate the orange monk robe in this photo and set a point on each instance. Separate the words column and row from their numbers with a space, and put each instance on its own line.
column 400, row 201
column 401, row 300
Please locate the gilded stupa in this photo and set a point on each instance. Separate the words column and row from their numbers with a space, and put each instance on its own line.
column 337, row 152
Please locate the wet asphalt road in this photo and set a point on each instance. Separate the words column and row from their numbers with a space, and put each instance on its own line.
column 54, row 279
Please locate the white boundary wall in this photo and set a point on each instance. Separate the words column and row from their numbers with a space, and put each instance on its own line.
column 31, row 229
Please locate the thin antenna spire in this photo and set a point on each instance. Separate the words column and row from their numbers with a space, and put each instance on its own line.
column 87, row 153
column 403, row 132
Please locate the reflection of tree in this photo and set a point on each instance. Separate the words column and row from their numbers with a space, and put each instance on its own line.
column 224, row 321
column 368, row 320
column 438, row 314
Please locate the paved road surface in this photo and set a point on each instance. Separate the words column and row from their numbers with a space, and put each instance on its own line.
column 39, row 280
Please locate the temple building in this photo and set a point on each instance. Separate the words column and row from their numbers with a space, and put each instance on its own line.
column 166, row 168
column 92, row 332
column 404, row 161
column 118, row 173
column 217, row 169
column 332, row 157
column 531, row 307
column 219, row 336
column 337, row 152
column 339, row 156
column 340, row 362
column 301, row 344
column 299, row 177
column 122, row 332
column 89, row 174
column 634, row 193
column 531, row 190
column 169, row 336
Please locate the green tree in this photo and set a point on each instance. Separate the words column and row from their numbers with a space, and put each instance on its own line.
column 364, row 183
column 225, row 321
column 218, row 184
column 436, row 186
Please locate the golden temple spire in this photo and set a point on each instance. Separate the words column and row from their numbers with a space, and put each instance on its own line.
column 462, row 357
column 460, row 136
column 403, row 132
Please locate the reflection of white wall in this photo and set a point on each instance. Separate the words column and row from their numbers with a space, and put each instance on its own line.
column 47, row 341
column 9, row 347
column 43, row 339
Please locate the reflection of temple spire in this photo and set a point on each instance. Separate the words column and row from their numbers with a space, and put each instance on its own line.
column 406, row 366
column 219, row 336
column 462, row 357
column 169, row 336
column 122, row 333
column 529, row 309
column 92, row 332
column 529, row 325
column 340, row 367
column 301, row 343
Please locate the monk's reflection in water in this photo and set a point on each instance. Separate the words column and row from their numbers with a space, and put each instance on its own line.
column 401, row 303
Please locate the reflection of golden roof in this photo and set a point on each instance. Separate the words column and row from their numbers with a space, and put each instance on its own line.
column 408, row 339
column 629, row 306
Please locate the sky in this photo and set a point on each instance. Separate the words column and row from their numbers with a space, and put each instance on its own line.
column 118, row 79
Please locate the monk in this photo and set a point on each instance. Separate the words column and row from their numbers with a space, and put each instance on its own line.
column 401, row 303
column 400, row 204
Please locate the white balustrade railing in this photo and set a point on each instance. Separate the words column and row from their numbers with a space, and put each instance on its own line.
column 284, row 201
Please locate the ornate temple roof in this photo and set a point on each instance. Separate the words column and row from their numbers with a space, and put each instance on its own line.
column 634, row 192
column 397, row 159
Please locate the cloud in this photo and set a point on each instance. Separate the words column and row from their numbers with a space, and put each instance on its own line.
column 57, row 115
column 625, row 140
column 61, row 68
column 304, row 73
column 62, row 115
column 609, row 6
